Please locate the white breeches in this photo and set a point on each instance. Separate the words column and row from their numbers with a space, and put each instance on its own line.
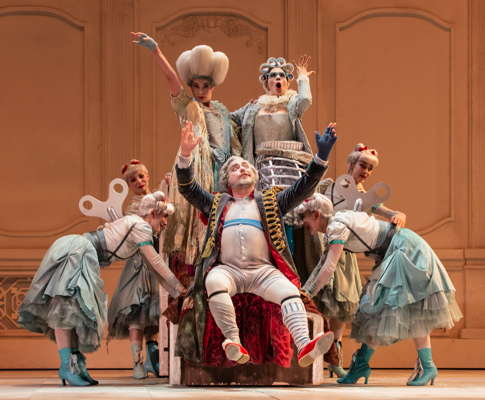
column 223, row 282
column 265, row 281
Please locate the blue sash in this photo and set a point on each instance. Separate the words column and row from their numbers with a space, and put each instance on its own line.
column 244, row 221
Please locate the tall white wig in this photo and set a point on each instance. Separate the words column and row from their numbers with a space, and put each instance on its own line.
column 203, row 62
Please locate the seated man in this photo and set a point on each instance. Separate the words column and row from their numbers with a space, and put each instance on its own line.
column 244, row 242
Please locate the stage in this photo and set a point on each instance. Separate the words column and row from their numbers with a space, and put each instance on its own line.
column 118, row 384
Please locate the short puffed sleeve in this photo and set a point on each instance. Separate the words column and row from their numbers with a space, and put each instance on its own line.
column 142, row 234
column 337, row 230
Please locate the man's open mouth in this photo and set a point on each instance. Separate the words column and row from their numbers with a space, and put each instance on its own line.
column 278, row 85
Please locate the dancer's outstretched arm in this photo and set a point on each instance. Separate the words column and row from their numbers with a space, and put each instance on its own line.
column 164, row 275
column 174, row 83
column 324, row 270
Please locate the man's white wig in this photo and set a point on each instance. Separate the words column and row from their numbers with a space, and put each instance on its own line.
column 317, row 202
column 203, row 62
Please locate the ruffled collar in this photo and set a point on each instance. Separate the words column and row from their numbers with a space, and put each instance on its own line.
column 271, row 100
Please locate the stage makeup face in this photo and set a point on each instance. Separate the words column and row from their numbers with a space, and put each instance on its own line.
column 277, row 82
column 240, row 174
column 202, row 90
column 138, row 183
column 361, row 171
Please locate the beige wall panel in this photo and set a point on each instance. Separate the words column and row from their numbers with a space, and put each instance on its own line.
column 45, row 120
column 118, row 123
column 303, row 39
column 51, row 134
column 400, row 86
column 49, row 105
column 394, row 79
column 247, row 34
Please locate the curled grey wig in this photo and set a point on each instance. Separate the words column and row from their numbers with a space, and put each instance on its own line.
column 224, row 173
column 317, row 202
column 155, row 202
column 273, row 62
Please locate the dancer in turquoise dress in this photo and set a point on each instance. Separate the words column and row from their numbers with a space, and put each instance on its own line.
column 409, row 292
column 66, row 301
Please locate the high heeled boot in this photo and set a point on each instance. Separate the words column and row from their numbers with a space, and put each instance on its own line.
column 360, row 366
column 336, row 367
column 425, row 370
column 69, row 370
column 81, row 361
column 152, row 363
column 138, row 366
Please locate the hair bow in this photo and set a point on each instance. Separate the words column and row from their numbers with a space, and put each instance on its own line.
column 132, row 162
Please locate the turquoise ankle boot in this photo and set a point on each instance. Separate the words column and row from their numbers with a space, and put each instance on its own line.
column 359, row 367
column 69, row 370
column 425, row 370
column 81, row 361
column 152, row 363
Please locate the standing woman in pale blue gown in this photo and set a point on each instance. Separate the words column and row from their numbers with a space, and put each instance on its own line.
column 409, row 292
column 339, row 300
column 66, row 301
column 134, row 310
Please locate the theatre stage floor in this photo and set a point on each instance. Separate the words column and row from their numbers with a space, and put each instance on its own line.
column 117, row 384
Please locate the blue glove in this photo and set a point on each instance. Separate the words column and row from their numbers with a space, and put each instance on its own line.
column 325, row 142
column 146, row 41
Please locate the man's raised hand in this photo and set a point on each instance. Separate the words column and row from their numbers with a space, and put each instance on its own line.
column 326, row 140
column 188, row 139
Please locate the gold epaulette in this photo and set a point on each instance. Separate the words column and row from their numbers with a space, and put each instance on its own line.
column 209, row 245
column 273, row 219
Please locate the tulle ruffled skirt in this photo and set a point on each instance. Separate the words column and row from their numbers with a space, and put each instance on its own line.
column 67, row 292
column 407, row 296
column 136, row 301
column 340, row 298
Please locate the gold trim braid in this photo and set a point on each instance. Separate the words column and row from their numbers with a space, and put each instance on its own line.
column 273, row 219
column 209, row 246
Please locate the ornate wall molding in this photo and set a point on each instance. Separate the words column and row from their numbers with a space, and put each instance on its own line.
column 12, row 292
column 231, row 24
column 394, row 12
column 44, row 12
